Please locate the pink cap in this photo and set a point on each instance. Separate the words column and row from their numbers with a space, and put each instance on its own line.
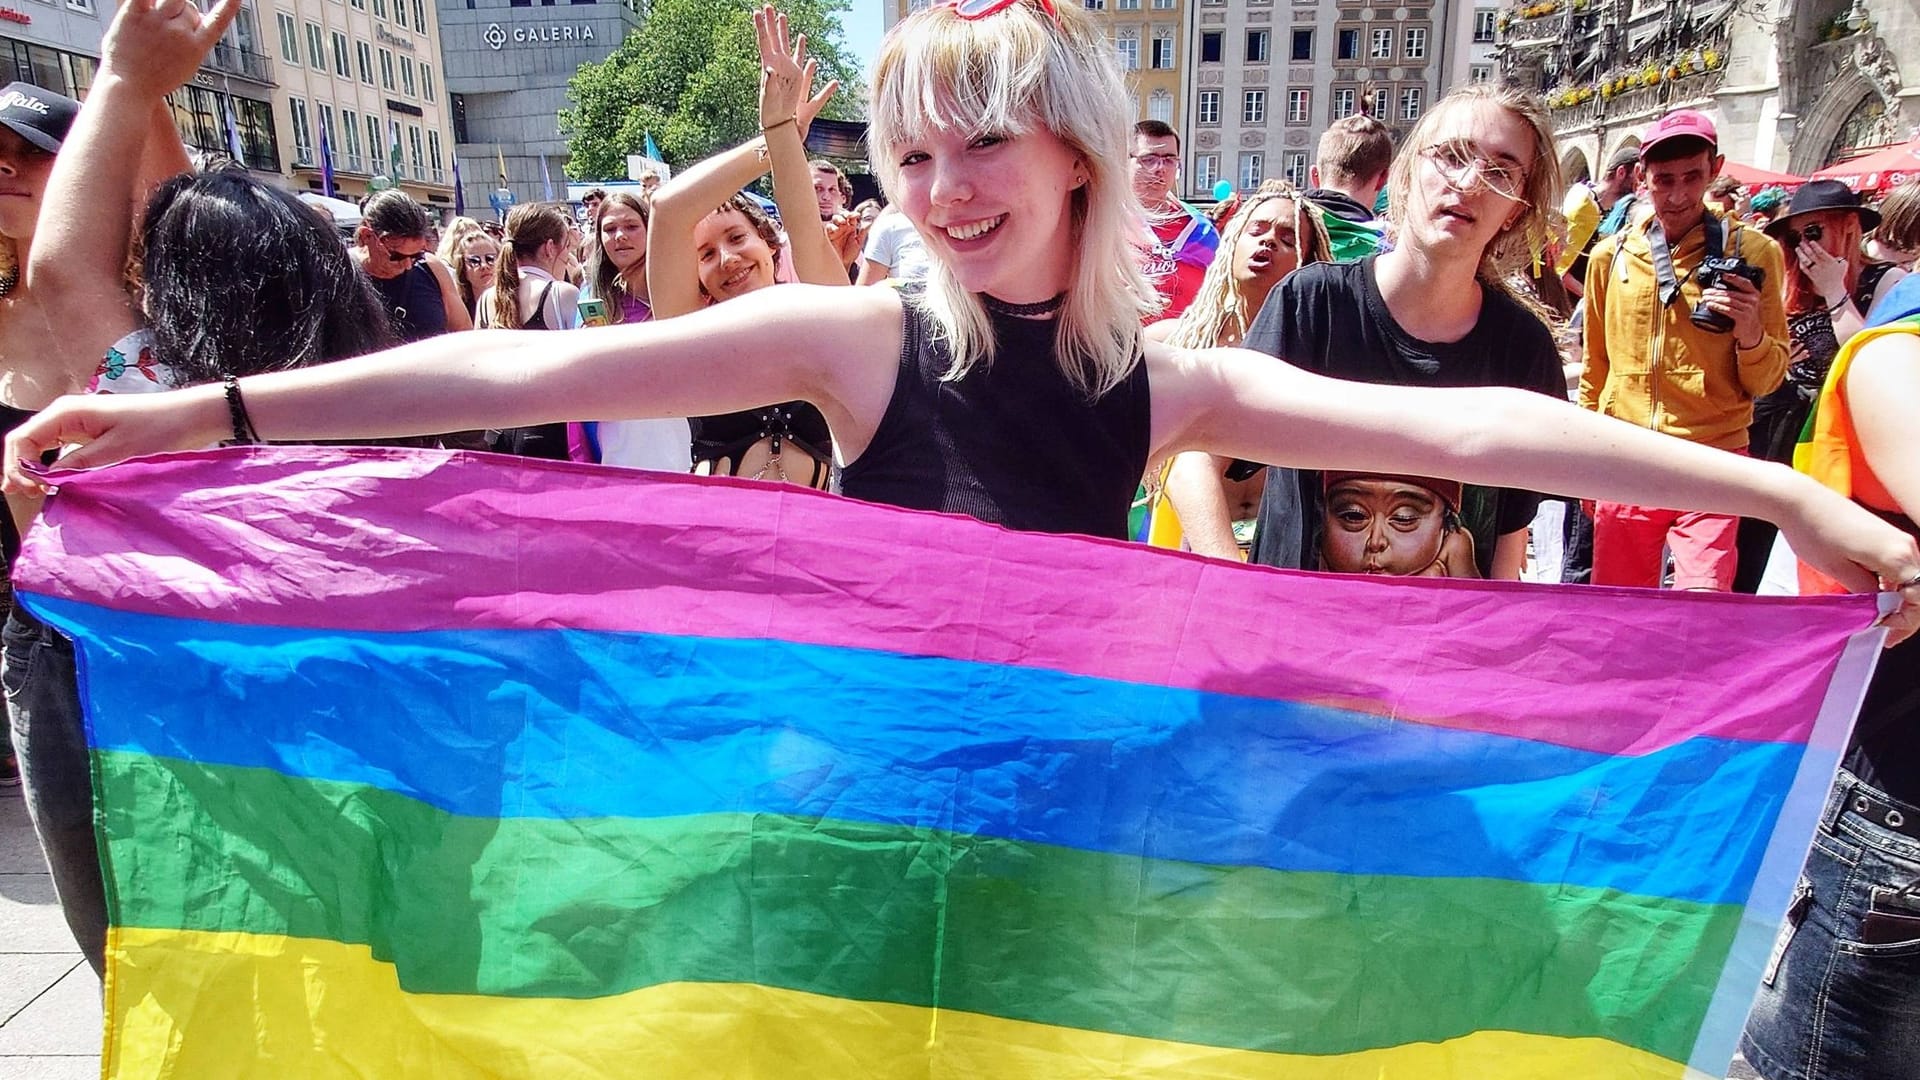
column 1680, row 123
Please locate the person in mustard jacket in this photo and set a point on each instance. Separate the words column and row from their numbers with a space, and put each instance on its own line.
column 1686, row 326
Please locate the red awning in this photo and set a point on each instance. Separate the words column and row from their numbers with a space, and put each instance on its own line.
column 1753, row 178
column 1879, row 171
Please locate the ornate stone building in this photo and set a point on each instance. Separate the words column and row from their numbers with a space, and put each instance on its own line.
column 1792, row 84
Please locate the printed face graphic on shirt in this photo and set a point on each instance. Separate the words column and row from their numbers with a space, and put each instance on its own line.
column 1394, row 526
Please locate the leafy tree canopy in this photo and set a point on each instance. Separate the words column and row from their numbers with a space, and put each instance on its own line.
column 691, row 76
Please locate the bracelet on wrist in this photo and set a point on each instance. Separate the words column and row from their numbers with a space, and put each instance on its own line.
column 243, row 432
column 777, row 124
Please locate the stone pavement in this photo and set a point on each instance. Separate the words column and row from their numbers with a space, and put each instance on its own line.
column 49, row 999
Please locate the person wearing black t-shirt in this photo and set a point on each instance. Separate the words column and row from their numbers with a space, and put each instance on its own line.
column 1428, row 312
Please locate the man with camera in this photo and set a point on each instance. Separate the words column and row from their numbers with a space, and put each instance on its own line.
column 1686, row 325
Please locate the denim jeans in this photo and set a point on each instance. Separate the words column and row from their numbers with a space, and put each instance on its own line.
column 1832, row 1006
column 43, row 708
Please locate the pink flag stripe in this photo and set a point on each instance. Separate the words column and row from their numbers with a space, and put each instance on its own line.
column 394, row 540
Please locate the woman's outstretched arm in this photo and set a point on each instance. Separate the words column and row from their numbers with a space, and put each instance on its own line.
column 733, row 356
column 1247, row 405
column 786, row 113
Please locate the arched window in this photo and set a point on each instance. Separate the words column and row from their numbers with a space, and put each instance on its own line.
column 1160, row 106
column 1865, row 126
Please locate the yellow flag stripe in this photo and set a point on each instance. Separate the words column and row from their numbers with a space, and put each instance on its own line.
column 230, row 1005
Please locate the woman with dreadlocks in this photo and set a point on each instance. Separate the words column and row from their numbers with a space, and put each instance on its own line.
column 1272, row 233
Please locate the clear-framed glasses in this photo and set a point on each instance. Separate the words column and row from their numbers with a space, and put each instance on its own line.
column 1460, row 163
column 1157, row 161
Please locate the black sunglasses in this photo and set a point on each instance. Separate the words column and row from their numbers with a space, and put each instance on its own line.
column 407, row 257
column 1812, row 232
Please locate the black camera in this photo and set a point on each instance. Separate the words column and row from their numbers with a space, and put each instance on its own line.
column 1713, row 273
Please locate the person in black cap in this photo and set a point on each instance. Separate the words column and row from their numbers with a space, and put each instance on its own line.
column 32, row 124
column 1831, row 286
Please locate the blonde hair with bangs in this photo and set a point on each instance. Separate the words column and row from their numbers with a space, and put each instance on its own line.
column 1012, row 73
column 1218, row 310
column 1538, row 228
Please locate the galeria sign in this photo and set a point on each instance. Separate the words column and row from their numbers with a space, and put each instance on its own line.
column 498, row 37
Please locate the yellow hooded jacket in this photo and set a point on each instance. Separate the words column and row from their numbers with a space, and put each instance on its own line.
column 1648, row 365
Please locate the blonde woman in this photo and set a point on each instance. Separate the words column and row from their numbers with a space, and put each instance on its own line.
column 1018, row 388
column 1273, row 233
column 473, row 254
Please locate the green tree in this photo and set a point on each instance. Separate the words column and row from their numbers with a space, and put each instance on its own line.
column 691, row 76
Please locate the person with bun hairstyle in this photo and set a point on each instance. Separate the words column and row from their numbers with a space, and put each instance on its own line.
column 1017, row 387
column 393, row 244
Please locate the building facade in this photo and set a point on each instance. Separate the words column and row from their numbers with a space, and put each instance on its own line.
column 228, row 106
column 1792, row 86
column 1267, row 79
column 508, row 63
column 361, row 89
column 1150, row 40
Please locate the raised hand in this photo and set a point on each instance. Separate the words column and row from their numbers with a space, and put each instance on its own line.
column 157, row 45
column 787, row 74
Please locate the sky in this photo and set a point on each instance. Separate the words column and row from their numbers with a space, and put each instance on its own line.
column 863, row 26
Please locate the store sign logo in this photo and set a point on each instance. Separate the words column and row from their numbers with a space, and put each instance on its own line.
column 14, row 99
column 498, row 38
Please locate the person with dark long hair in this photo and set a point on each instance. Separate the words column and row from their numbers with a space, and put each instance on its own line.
column 281, row 293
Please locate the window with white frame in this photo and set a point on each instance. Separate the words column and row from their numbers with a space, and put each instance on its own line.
column 1163, row 5
column 1303, row 43
column 1252, row 169
column 1297, row 168
column 342, row 63
column 1479, row 73
column 400, row 12
column 434, row 157
column 1259, row 43
column 1253, row 107
column 302, row 132
column 1382, row 43
column 1206, row 171
column 1127, row 48
column 1342, row 103
column 426, row 81
column 364, row 52
column 1299, row 106
column 1212, row 46
column 350, row 140
column 1378, row 110
column 316, row 47
column 386, row 69
column 1092, row 5
column 419, row 16
column 1410, row 103
column 1163, row 49
column 289, row 37
column 376, row 153
column 1207, row 107
column 1348, row 45
column 419, row 149
column 1416, row 43
column 407, row 85
column 1126, row 5
column 325, row 112
column 1160, row 106
column 1484, row 22
column 85, row 7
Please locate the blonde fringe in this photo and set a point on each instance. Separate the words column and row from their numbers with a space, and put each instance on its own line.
column 1015, row 72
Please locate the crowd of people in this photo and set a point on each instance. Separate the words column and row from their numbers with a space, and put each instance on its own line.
column 1379, row 374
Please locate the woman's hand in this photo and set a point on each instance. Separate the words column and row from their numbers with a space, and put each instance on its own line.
column 786, row 75
column 1827, row 272
column 1836, row 536
column 156, row 46
column 106, row 428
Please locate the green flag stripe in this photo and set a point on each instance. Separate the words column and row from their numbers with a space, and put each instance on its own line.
column 1226, row 956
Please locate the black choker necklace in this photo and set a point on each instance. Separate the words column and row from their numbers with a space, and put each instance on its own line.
column 1025, row 311
column 7, row 281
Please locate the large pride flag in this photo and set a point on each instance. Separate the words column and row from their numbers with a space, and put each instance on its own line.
column 428, row 765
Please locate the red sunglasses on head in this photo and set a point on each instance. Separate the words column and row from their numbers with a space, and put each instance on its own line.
column 980, row 9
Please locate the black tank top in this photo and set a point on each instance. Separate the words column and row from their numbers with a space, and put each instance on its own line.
column 1012, row 442
column 413, row 302
column 548, row 441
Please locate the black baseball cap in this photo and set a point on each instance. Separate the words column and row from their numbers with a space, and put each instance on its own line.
column 41, row 117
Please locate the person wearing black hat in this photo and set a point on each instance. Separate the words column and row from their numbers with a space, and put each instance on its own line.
column 32, row 124
column 1831, row 287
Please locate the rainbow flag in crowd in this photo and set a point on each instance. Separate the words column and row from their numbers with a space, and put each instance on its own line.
column 421, row 764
